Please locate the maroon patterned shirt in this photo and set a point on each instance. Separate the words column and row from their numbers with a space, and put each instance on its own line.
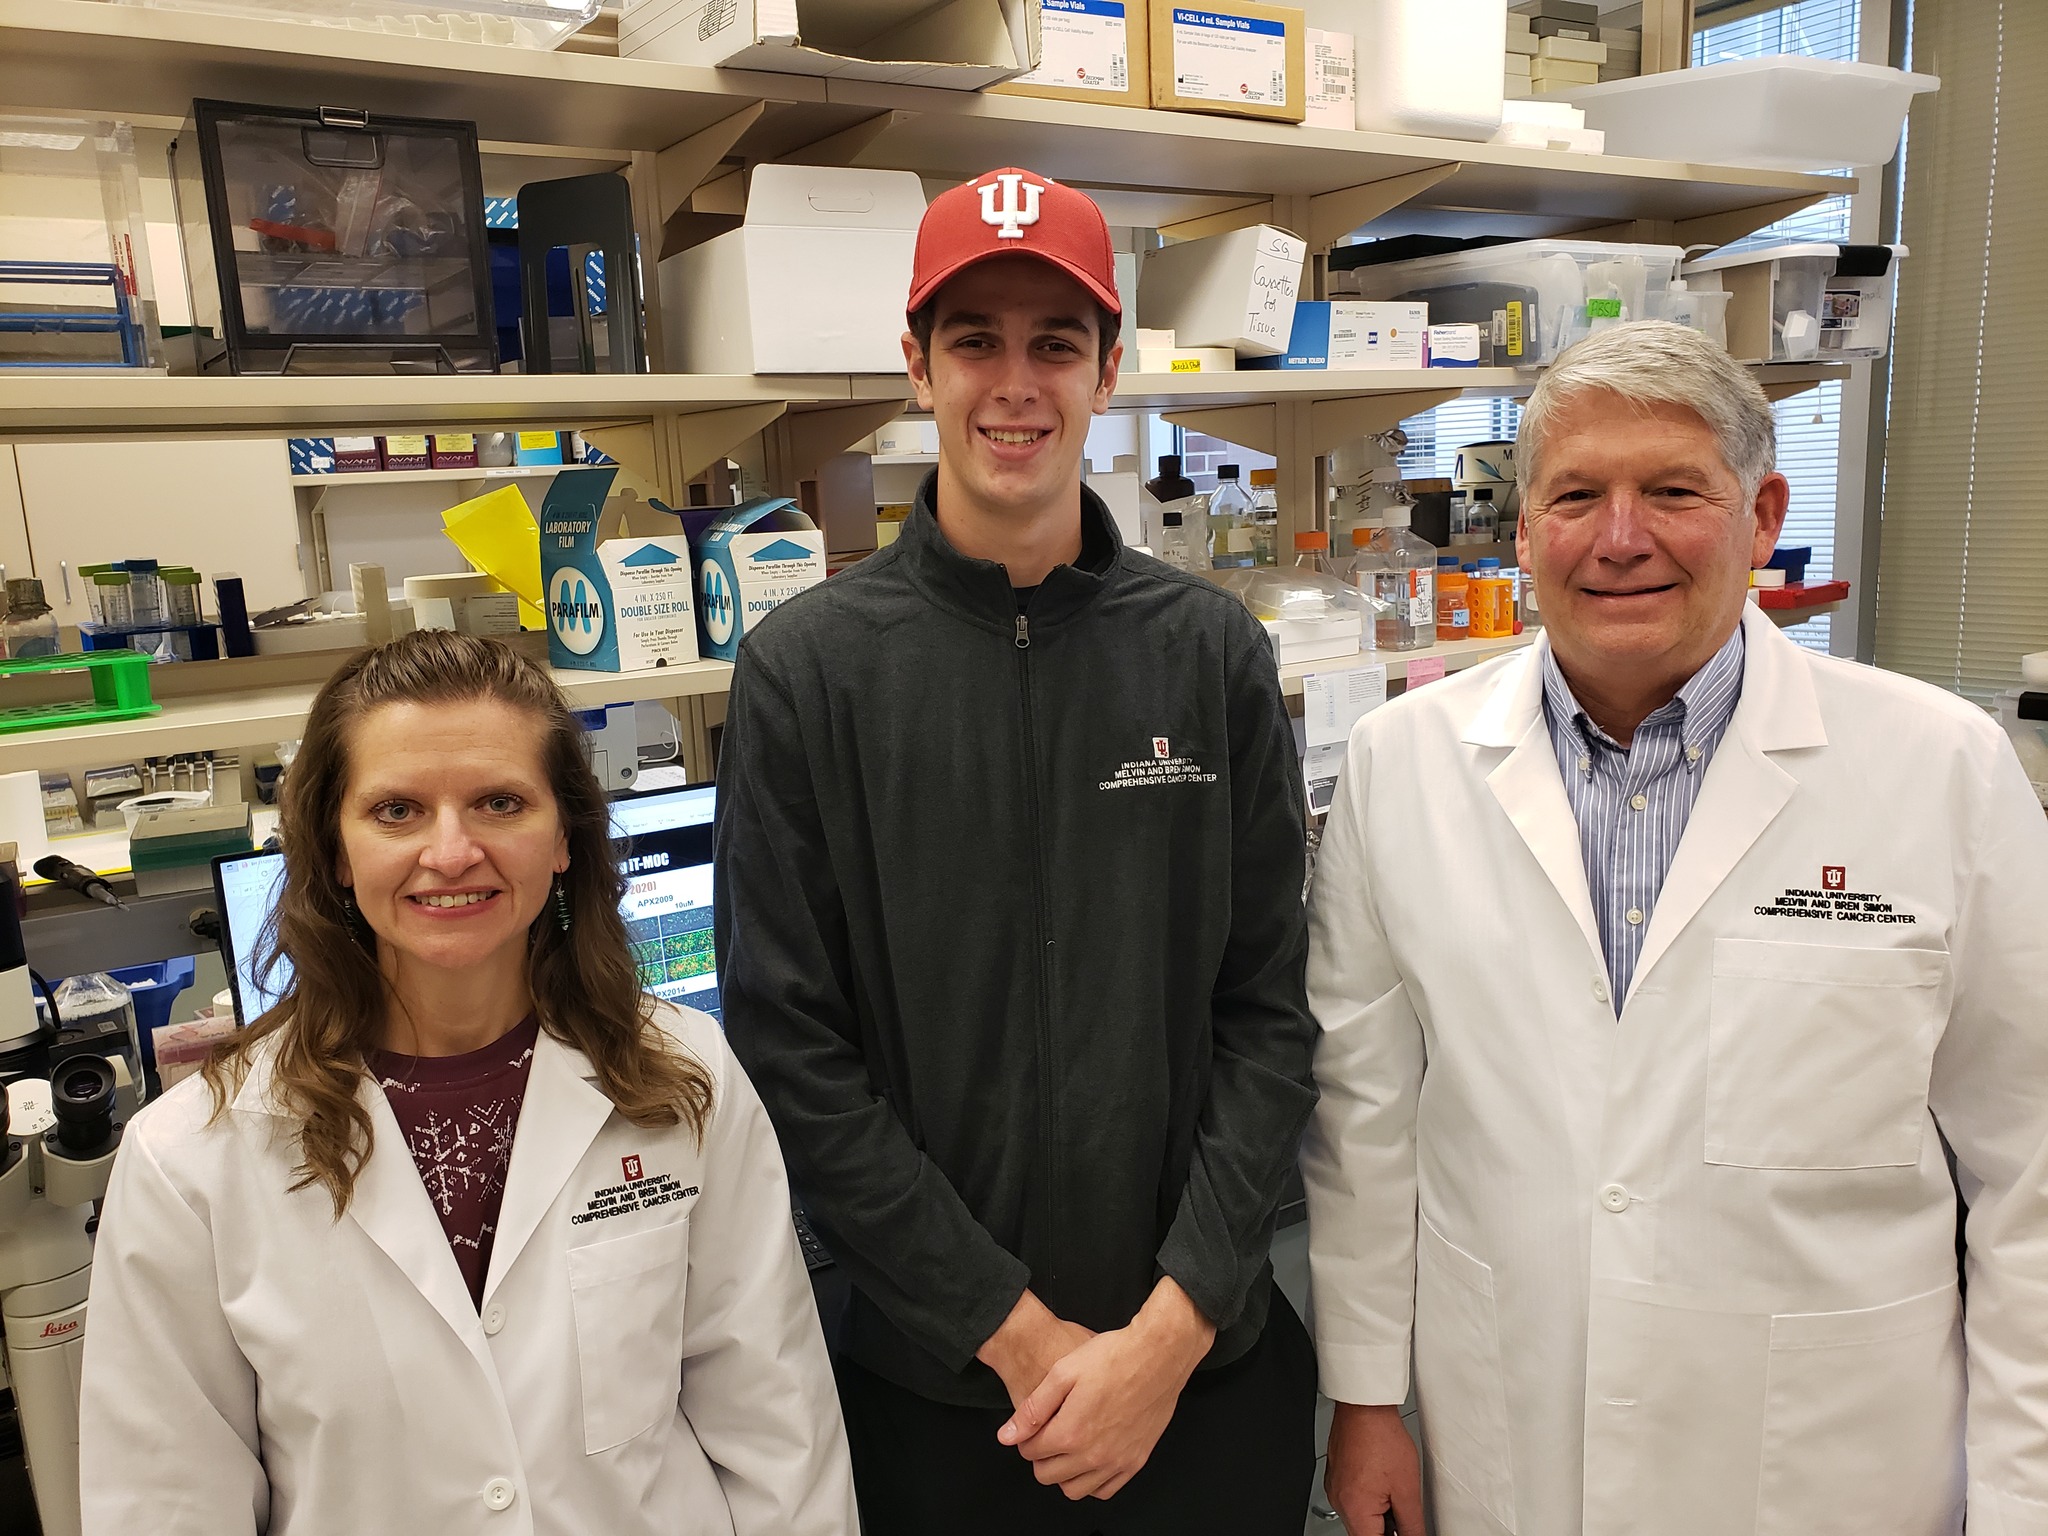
column 458, row 1114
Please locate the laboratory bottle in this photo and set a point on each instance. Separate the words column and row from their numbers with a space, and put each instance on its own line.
column 1482, row 517
column 1400, row 567
column 145, row 591
column 1312, row 553
column 181, row 595
column 1265, row 528
column 112, row 603
column 1453, row 616
column 1170, row 488
column 1230, row 507
column 1528, row 614
column 1175, row 546
column 30, row 629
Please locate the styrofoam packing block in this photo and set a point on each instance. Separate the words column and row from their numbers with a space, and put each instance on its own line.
column 1571, row 48
column 1549, row 114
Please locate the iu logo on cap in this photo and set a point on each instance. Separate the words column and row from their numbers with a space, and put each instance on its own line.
column 1833, row 877
column 632, row 1167
column 1019, row 206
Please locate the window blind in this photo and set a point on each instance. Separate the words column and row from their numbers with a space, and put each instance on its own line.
column 1963, row 562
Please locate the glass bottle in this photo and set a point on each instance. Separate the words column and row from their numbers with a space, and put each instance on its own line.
column 1230, row 508
column 1482, row 518
column 1265, row 530
column 1312, row 553
column 1176, row 547
column 30, row 629
column 1169, row 490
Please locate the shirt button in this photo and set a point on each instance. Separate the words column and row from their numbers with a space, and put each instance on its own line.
column 1585, row 765
column 1600, row 993
column 1640, row 803
column 1635, row 917
column 1692, row 754
column 494, row 1318
column 1615, row 1198
column 499, row 1493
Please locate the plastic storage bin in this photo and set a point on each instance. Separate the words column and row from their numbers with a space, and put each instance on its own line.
column 1530, row 298
column 335, row 242
column 517, row 23
column 1427, row 66
column 1796, row 303
column 74, row 255
column 1786, row 113
column 1309, row 616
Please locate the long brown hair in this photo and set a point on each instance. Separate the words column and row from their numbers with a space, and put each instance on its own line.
column 586, row 989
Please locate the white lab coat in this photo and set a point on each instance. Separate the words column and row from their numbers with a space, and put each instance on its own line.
column 647, row 1358
column 1691, row 1272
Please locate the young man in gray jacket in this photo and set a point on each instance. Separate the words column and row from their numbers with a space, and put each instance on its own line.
column 1009, row 914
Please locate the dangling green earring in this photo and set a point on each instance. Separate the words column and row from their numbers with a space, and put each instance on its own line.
column 561, row 904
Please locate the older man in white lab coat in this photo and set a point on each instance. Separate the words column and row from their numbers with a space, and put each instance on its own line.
column 1655, row 965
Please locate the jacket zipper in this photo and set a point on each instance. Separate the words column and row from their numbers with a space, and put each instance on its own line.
column 1048, row 1110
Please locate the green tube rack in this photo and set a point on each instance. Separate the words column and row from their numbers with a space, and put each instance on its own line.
column 120, row 691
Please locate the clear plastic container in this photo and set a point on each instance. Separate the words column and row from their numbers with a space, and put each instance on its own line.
column 75, row 284
column 1265, row 517
column 1311, row 616
column 1698, row 309
column 1786, row 113
column 181, row 595
column 1482, row 517
column 513, row 23
column 1530, row 298
column 1821, row 300
column 1177, row 545
column 113, row 601
column 145, row 591
column 1396, row 569
column 1312, row 553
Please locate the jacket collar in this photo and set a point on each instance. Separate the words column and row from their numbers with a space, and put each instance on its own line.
column 1742, row 794
column 979, row 591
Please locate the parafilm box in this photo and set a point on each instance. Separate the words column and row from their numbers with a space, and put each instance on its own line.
column 613, row 605
column 749, row 562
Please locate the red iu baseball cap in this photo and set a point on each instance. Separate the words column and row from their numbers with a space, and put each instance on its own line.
column 1013, row 213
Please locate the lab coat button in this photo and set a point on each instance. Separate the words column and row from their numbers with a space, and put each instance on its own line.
column 1600, row 993
column 499, row 1493
column 1615, row 1198
column 494, row 1318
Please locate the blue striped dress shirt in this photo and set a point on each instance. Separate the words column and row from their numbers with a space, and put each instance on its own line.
column 1632, row 803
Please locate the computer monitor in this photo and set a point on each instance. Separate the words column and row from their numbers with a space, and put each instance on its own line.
column 663, row 842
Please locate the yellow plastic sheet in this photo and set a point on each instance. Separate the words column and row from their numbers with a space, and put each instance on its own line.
column 497, row 534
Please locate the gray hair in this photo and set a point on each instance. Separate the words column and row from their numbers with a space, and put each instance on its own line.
column 1654, row 361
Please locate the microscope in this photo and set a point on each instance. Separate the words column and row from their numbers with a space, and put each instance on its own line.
column 60, row 1115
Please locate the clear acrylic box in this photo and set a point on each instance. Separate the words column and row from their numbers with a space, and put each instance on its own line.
column 511, row 23
column 74, row 252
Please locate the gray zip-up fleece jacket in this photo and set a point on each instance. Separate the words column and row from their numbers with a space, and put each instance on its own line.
column 1011, row 939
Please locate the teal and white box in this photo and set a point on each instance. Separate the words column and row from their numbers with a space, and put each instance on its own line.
column 749, row 562
column 1308, row 345
column 613, row 605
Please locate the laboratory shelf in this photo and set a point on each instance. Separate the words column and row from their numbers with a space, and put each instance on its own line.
column 343, row 478
column 1456, row 656
column 88, row 56
column 57, row 404
column 256, row 716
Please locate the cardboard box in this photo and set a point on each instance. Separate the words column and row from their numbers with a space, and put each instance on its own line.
column 1586, row 12
column 1308, row 345
column 453, row 450
column 613, row 605
column 1332, row 79
column 1555, row 72
column 1369, row 335
column 749, row 562
column 1235, row 290
column 1231, row 56
column 311, row 455
column 1545, row 26
column 356, row 455
column 1090, row 50
column 407, row 451
column 538, row 448
column 812, row 282
column 1575, row 49
column 964, row 46
column 1452, row 346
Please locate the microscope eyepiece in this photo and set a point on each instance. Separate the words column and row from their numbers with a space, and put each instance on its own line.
column 82, row 1097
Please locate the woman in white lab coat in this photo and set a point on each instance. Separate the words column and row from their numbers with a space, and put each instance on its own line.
column 466, row 1235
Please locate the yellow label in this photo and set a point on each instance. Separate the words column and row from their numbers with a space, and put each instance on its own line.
column 413, row 445
column 1186, row 365
column 532, row 440
column 1514, row 328
column 455, row 442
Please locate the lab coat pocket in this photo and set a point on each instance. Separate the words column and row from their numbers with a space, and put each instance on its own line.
column 1819, row 1055
column 627, row 1294
column 1863, row 1421
column 1459, row 1386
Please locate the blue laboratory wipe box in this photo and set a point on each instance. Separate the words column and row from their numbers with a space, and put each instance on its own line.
column 1308, row 343
column 749, row 562
column 613, row 604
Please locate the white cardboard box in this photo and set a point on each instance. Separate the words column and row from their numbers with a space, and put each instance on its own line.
column 965, row 45
column 1369, row 334
column 813, row 282
column 1332, row 79
column 1234, row 290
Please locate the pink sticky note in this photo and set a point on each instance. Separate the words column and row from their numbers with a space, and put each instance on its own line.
column 1425, row 669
